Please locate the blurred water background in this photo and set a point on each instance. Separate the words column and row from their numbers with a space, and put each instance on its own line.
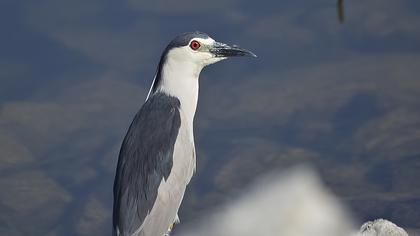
column 342, row 97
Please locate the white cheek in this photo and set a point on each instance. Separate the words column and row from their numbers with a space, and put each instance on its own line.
column 212, row 60
column 179, row 54
column 201, row 58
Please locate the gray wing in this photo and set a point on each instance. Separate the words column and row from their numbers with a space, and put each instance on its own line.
column 145, row 158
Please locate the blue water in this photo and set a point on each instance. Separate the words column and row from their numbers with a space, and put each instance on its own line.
column 343, row 97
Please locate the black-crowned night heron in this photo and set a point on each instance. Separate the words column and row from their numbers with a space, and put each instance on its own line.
column 157, row 157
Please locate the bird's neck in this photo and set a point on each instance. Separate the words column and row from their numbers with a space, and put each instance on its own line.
column 180, row 79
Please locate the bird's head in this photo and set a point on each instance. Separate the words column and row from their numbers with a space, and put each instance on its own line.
column 200, row 49
column 185, row 57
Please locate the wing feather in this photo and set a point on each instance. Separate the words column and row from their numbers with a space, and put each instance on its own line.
column 145, row 158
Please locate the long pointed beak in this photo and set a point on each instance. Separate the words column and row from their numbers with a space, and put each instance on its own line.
column 224, row 50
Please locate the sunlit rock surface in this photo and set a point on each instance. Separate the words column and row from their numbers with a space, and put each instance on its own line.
column 381, row 227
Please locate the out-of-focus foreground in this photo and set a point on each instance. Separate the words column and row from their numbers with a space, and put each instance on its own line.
column 295, row 203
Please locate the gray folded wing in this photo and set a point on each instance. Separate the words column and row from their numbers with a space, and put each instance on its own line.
column 145, row 158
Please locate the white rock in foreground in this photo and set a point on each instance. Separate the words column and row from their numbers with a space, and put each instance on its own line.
column 292, row 204
column 381, row 227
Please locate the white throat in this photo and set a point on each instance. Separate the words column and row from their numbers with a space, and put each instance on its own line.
column 179, row 78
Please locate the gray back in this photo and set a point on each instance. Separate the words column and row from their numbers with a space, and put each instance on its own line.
column 146, row 157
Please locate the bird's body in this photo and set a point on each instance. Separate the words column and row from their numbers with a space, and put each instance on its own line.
column 161, row 175
column 157, row 158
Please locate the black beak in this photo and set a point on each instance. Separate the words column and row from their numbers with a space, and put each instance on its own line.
column 224, row 50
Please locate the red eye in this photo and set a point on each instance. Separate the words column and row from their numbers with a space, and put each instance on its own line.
column 194, row 45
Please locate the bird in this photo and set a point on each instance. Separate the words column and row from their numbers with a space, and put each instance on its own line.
column 157, row 158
